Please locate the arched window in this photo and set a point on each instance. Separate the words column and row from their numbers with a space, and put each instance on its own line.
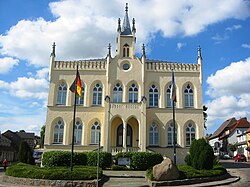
column 133, row 94
column 189, row 96
column 95, row 130
column 168, row 99
column 117, row 93
column 80, row 101
column 153, row 96
column 58, row 132
column 126, row 50
column 153, row 135
column 190, row 134
column 78, row 133
column 97, row 94
column 171, row 134
column 61, row 94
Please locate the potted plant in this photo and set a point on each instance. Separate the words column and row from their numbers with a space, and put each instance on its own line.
column 232, row 147
column 248, row 148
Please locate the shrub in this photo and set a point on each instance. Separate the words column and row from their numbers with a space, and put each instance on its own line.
column 62, row 158
column 53, row 173
column 201, row 155
column 232, row 147
column 25, row 154
column 105, row 159
column 119, row 168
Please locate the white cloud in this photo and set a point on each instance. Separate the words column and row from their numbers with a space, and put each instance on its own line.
column 78, row 24
column 246, row 46
column 27, row 88
column 229, row 91
column 180, row 45
column 6, row 64
column 43, row 73
column 234, row 27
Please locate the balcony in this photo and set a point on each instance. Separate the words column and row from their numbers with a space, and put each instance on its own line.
column 128, row 108
column 115, row 150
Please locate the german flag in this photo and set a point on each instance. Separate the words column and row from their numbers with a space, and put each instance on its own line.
column 76, row 86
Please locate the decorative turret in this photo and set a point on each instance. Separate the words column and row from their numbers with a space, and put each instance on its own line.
column 199, row 59
column 119, row 25
column 109, row 50
column 133, row 27
column 52, row 58
column 143, row 51
column 126, row 30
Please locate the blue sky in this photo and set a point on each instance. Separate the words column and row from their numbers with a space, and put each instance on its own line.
column 171, row 30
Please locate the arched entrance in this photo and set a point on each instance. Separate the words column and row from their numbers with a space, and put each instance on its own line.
column 119, row 140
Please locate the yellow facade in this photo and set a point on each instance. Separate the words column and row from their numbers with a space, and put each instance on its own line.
column 126, row 98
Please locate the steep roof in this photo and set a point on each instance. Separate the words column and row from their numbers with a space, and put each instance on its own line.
column 248, row 130
column 221, row 129
column 126, row 30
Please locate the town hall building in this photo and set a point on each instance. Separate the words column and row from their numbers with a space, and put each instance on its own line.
column 126, row 99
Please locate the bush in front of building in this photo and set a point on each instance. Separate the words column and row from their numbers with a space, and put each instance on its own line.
column 104, row 162
column 119, row 168
column 201, row 155
column 141, row 160
column 25, row 154
column 62, row 158
column 53, row 173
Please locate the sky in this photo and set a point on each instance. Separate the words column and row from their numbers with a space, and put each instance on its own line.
column 81, row 29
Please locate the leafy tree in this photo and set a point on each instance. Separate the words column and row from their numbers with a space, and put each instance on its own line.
column 42, row 134
column 25, row 153
column 205, row 115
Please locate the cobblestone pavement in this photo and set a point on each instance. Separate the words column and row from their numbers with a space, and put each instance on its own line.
column 241, row 169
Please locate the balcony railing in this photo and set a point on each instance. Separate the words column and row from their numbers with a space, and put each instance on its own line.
column 115, row 150
column 125, row 106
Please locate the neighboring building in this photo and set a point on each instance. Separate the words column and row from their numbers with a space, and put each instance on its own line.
column 6, row 151
column 232, row 132
column 126, row 99
column 248, row 142
column 242, row 144
column 17, row 137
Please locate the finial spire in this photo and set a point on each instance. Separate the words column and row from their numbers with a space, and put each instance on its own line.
column 119, row 25
column 126, row 30
column 143, row 50
column 109, row 49
column 53, row 53
column 133, row 27
column 199, row 52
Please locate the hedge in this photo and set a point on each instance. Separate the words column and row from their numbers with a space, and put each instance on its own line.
column 142, row 160
column 62, row 158
column 53, row 173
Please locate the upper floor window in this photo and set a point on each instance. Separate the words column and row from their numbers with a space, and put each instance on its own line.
column 168, row 98
column 61, row 94
column 171, row 134
column 153, row 96
column 153, row 135
column 95, row 131
column 97, row 94
column 190, row 134
column 133, row 94
column 126, row 50
column 58, row 132
column 117, row 93
column 80, row 101
column 188, row 96
column 78, row 133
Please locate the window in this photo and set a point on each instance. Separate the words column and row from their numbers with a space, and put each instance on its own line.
column 133, row 94
column 95, row 130
column 188, row 96
column 97, row 94
column 58, row 132
column 171, row 134
column 153, row 135
column 126, row 50
column 126, row 66
column 168, row 99
column 80, row 101
column 61, row 95
column 117, row 93
column 153, row 96
column 190, row 134
column 78, row 133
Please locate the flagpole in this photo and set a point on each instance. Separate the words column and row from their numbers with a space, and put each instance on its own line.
column 73, row 128
column 173, row 105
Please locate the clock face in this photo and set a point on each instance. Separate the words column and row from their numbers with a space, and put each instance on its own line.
column 126, row 66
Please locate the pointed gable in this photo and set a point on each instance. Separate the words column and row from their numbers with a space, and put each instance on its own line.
column 126, row 30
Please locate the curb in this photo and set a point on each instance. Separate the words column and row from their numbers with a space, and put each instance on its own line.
column 212, row 181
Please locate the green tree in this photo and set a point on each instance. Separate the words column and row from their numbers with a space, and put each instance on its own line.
column 42, row 134
column 25, row 153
